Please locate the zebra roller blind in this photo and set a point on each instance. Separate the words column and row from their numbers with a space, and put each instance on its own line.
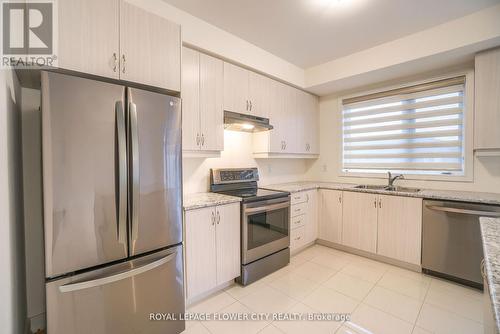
column 415, row 130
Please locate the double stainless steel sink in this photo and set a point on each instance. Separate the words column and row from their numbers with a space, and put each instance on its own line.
column 388, row 188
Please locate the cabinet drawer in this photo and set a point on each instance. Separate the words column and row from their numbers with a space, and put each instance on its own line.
column 299, row 197
column 297, row 237
column 297, row 221
column 298, row 209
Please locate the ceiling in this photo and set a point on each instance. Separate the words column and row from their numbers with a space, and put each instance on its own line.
column 311, row 32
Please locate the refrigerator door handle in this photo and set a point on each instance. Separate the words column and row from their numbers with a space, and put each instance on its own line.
column 134, row 176
column 122, row 172
column 116, row 277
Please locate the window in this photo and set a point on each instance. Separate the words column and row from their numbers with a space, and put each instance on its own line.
column 412, row 130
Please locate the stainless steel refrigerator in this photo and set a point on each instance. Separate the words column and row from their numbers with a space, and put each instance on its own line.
column 112, row 207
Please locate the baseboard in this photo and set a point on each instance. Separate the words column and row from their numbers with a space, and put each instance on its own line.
column 402, row 264
column 301, row 248
column 36, row 324
column 205, row 295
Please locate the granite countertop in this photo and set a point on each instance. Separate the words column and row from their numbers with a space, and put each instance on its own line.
column 490, row 232
column 450, row 195
column 203, row 200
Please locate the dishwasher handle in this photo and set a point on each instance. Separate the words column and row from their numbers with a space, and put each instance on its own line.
column 465, row 211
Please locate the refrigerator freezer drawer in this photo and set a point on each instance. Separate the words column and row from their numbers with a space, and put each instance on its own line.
column 120, row 298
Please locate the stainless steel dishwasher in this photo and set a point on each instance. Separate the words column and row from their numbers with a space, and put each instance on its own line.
column 451, row 240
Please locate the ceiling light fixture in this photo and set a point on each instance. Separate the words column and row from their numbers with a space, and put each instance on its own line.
column 330, row 3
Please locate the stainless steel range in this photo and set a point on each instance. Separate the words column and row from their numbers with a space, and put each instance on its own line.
column 265, row 222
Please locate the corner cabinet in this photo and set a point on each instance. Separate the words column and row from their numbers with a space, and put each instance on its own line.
column 487, row 103
column 114, row 39
column 202, row 101
column 212, row 242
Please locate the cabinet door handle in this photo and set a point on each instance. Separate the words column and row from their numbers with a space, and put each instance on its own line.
column 213, row 218
column 218, row 217
column 247, row 105
column 340, row 199
column 250, row 105
column 115, row 61
column 202, row 140
column 307, row 197
column 375, row 203
column 380, row 203
column 123, row 63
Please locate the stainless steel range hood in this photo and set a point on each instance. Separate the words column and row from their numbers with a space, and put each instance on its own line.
column 247, row 123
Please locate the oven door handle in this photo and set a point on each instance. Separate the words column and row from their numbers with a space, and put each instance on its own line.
column 271, row 207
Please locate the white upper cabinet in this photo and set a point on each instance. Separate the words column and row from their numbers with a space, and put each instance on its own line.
column 246, row 92
column 294, row 116
column 487, row 102
column 259, row 95
column 236, row 89
column 115, row 39
column 190, row 92
column 202, row 102
column 311, row 125
column 89, row 36
column 150, row 48
column 211, row 103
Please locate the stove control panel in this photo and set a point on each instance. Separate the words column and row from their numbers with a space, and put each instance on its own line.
column 233, row 175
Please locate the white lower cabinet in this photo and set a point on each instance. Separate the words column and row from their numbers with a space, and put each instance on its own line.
column 359, row 221
column 390, row 226
column 212, row 243
column 330, row 215
column 303, row 219
column 400, row 228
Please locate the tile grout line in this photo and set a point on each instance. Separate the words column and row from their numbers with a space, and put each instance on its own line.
column 422, row 306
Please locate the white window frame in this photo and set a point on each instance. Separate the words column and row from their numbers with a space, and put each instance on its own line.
column 468, row 126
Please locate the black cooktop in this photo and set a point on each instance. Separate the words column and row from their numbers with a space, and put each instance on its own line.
column 254, row 194
column 241, row 182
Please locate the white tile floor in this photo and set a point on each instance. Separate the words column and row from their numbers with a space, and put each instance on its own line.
column 380, row 298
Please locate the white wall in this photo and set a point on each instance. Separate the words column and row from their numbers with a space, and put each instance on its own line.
column 12, row 277
column 33, row 207
column 238, row 153
column 486, row 170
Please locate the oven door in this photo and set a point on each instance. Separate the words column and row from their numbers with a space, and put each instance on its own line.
column 266, row 228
